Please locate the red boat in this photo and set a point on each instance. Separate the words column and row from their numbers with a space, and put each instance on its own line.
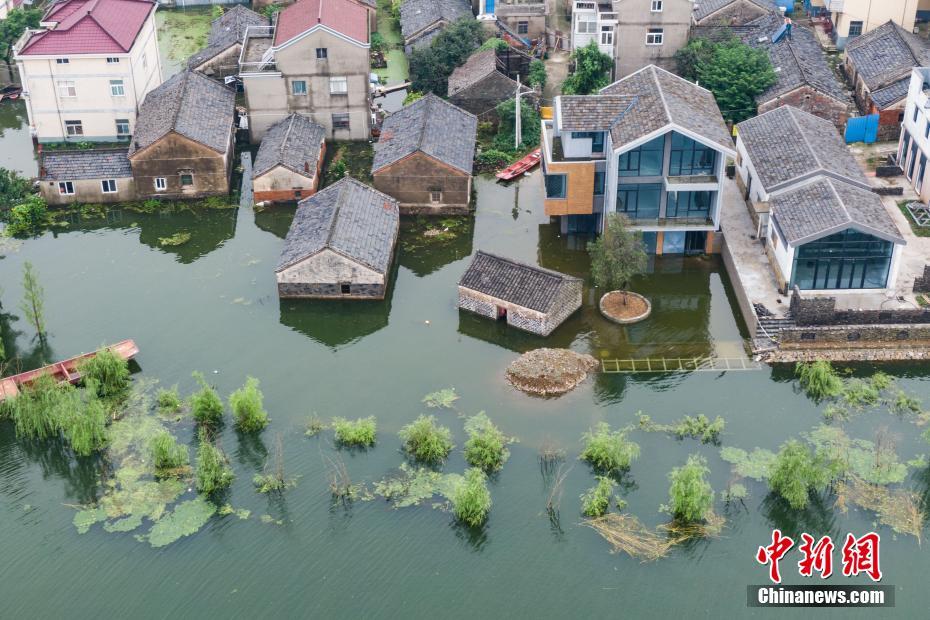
column 516, row 169
column 68, row 370
column 10, row 92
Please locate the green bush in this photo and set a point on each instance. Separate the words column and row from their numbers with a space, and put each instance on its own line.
column 425, row 441
column 13, row 188
column 798, row 470
column 108, row 371
column 537, row 75
column 471, row 500
column 360, row 432
column 491, row 160
column 819, row 380
column 168, row 400
column 213, row 471
column 486, row 447
column 85, row 427
column 608, row 452
column 167, row 454
column 28, row 217
column 38, row 409
column 246, row 405
column 206, row 405
column 529, row 126
column 596, row 501
column 592, row 71
column 690, row 495
column 378, row 43
column 411, row 97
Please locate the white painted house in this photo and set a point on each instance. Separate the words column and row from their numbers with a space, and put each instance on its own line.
column 914, row 142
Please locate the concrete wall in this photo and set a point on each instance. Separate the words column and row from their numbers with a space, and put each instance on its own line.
column 635, row 19
column 536, row 24
column 814, row 102
column 742, row 298
column 872, row 14
column 88, row 191
column 569, row 300
column 281, row 184
column 171, row 155
column 322, row 275
column 411, row 180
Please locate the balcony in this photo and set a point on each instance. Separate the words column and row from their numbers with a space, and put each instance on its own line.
column 257, row 55
column 692, row 183
column 672, row 223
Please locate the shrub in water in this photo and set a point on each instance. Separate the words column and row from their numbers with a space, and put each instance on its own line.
column 167, row 455
column 425, row 441
column 36, row 410
column 608, row 451
column 246, row 405
column 797, row 471
column 819, row 379
column 169, row 401
column 213, row 471
column 596, row 500
column 85, row 426
column 108, row 370
column 360, row 432
column 690, row 495
column 471, row 501
column 486, row 445
column 206, row 406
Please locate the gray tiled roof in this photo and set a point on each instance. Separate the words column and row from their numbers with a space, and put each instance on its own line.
column 663, row 98
column 592, row 112
column 293, row 142
column 415, row 15
column 891, row 94
column 704, row 8
column 85, row 164
column 348, row 217
column 826, row 206
column 886, row 54
column 227, row 30
column 433, row 126
column 518, row 283
column 478, row 66
column 787, row 144
column 191, row 105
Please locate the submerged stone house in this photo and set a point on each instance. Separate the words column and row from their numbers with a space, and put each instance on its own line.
column 340, row 244
column 422, row 20
column 289, row 161
column 527, row 297
column 424, row 157
column 85, row 176
column 487, row 79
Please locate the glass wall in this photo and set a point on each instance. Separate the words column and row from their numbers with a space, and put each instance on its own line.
column 689, row 158
column 849, row 259
column 639, row 201
column 555, row 185
column 692, row 205
column 645, row 161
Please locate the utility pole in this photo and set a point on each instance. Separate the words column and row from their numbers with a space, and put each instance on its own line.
column 517, row 128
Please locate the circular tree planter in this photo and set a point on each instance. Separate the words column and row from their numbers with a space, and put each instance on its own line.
column 614, row 309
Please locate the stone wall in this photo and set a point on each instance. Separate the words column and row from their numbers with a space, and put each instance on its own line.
column 896, row 336
column 520, row 317
column 815, row 311
column 568, row 301
column 922, row 282
column 330, row 291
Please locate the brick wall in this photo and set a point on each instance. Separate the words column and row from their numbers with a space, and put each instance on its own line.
column 814, row 102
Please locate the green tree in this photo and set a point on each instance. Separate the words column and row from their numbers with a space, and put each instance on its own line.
column 529, row 121
column 13, row 188
column 27, row 217
column 412, row 96
column 537, row 75
column 798, row 470
column 690, row 495
column 430, row 67
column 736, row 73
column 690, row 58
column 13, row 27
column 217, row 11
column 592, row 71
column 33, row 299
column 617, row 255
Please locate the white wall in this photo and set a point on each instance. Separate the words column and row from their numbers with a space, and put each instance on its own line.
column 746, row 170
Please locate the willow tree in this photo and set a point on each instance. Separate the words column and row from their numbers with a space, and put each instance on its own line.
column 617, row 255
column 33, row 299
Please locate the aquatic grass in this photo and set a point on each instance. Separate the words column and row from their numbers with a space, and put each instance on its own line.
column 471, row 501
column 699, row 427
column 595, row 502
column 274, row 481
column 108, row 371
column 206, row 406
column 314, row 426
column 177, row 239
column 608, row 451
column 247, row 409
column 444, row 398
column 213, row 471
column 900, row 509
column 486, row 447
column 819, row 379
column 167, row 455
column 425, row 441
column 169, row 400
column 903, row 403
column 359, row 433
column 690, row 495
column 411, row 487
column 187, row 518
column 859, row 394
column 756, row 464
column 874, row 462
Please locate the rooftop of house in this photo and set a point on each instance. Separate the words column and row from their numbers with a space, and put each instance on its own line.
column 89, row 27
column 191, row 105
column 432, row 126
column 349, row 218
column 525, row 285
column 293, row 142
column 891, row 94
column 826, row 206
column 226, row 31
column 346, row 17
column 417, row 15
column 887, row 54
column 84, row 164
column 530, row 9
column 705, row 8
column 478, row 66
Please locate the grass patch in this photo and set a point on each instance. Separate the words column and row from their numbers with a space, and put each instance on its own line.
column 168, row 456
column 182, row 33
column 247, row 409
column 471, row 501
column 168, row 400
column 353, row 158
column 595, row 502
column 920, row 231
column 486, row 447
column 608, row 451
column 425, row 441
column 359, row 433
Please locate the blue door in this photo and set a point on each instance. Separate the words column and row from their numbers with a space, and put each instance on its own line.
column 489, row 7
column 862, row 129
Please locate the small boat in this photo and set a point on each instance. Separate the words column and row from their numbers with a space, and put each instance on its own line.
column 64, row 371
column 516, row 169
column 10, row 92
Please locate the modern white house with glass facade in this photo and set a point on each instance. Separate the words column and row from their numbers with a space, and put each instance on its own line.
column 652, row 147
column 914, row 143
column 827, row 230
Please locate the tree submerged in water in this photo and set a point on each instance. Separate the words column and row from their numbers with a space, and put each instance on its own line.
column 33, row 304
column 798, row 471
column 607, row 451
column 819, row 379
column 690, row 495
column 617, row 255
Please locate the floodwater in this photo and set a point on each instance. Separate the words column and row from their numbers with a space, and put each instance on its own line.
column 16, row 152
column 211, row 305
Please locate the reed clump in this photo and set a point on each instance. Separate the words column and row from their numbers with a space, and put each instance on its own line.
column 108, row 371
column 206, row 405
column 595, row 502
column 359, row 433
column 247, row 407
column 213, row 470
column 169, row 457
column 471, row 500
column 425, row 441
column 486, row 447
column 608, row 451
column 168, row 400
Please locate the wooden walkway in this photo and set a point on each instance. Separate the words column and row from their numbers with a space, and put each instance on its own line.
column 679, row 364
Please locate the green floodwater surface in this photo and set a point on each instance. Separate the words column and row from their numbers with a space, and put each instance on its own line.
column 211, row 305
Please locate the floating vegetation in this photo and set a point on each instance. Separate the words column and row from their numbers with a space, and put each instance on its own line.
column 874, row 462
column 206, row 406
column 358, row 433
column 108, row 371
column 247, row 409
column 627, row 534
column 177, row 239
column 168, row 457
column 168, row 400
column 227, row 509
column 860, row 394
column 756, row 464
column 735, row 492
column 444, row 398
column 340, row 483
column 213, row 471
column 486, row 447
column 608, row 451
column 899, row 509
column 699, row 427
column 423, row 232
column 425, row 441
column 269, row 520
column 595, row 502
column 411, row 486
column 471, row 500
column 904, row 404
column 314, row 426
column 187, row 518
column 819, row 379
column 691, row 497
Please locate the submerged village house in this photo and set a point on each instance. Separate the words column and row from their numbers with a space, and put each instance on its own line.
column 340, row 244
column 487, row 79
column 289, row 161
column 220, row 58
column 527, row 297
column 425, row 155
column 86, row 176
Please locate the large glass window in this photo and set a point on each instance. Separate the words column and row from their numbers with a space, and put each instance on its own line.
column 693, row 205
column 645, row 161
column 639, row 201
column 690, row 158
column 596, row 137
column 555, row 186
column 849, row 259
column 600, row 183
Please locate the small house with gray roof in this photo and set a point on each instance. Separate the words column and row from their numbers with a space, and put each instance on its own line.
column 85, row 176
column 340, row 244
column 650, row 147
column 422, row 20
column 826, row 229
column 289, row 161
column 184, row 140
column 525, row 296
column 425, row 155
column 488, row 78
column 220, row 57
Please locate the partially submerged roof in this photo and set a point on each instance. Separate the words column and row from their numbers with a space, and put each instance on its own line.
column 226, row 31
column 85, row 164
column 417, row 15
column 827, row 206
column 663, row 98
column 432, row 126
column 705, row 8
column 90, row 27
column 887, row 54
column 787, row 144
column 479, row 65
column 293, row 142
column 191, row 105
column 525, row 285
column 349, row 218
column 342, row 16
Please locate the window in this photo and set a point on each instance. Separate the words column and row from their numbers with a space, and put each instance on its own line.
column 555, row 185
column 596, row 137
column 113, row 60
column 846, row 260
column 345, row 288
column 66, row 188
column 435, row 194
column 122, row 127
column 916, row 112
column 66, row 88
column 117, row 89
column 927, row 129
column 655, row 36
column 691, row 205
column 161, row 184
column 855, row 29
column 639, row 201
column 690, row 158
column 523, row 27
column 61, row 61
column 74, row 128
column 298, row 87
column 656, row 6
column 607, row 35
column 108, row 186
column 586, row 25
column 321, row 53
column 645, row 161
column 600, row 182
column 187, row 179
column 340, row 121
column 339, row 85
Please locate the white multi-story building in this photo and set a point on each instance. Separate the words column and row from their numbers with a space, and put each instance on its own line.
column 594, row 21
column 86, row 71
column 914, row 143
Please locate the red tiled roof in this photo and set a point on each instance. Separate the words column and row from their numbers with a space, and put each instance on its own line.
column 90, row 27
column 343, row 16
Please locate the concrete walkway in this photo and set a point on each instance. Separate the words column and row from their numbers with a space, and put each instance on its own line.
column 246, row 198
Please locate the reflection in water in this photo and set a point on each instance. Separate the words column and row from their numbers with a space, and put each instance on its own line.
column 817, row 519
column 276, row 219
column 337, row 323
column 423, row 255
column 17, row 152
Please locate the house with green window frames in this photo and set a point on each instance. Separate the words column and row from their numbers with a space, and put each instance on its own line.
column 651, row 147
column 826, row 230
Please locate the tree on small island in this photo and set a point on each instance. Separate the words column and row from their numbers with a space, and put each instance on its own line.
column 617, row 256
